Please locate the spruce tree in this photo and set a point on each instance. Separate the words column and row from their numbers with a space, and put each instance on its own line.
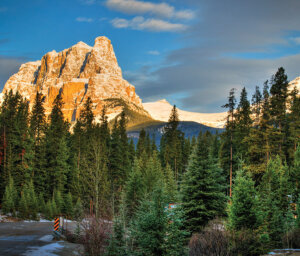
column 68, row 205
column 228, row 147
column 23, row 211
column 134, row 189
column 278, row 107
column 243, row 124
column 9, row 201
column 171, row 145
column 31, row 200
column 274, row 194
column 256, row 105
column 243, row 208
column 202, row 191
column 141, row 144
column 294, row 122
column 295, row 175
column 59, row 201
column 176, row 236
column 57, row 153
column 41, row 203
column 117, row 244
column 37, row 129
column 148, row 229
column 170, row 185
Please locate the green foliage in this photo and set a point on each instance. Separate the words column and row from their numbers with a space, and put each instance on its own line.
column 117, row 244
column 243, row 207
column 41, row 203
column 68, row 206
column 9, row 201
column 176, row 236
column 134, row 189
column 148, row 228
column 78, row 210
column 56, row 148
column 274, row 199
column 171, row 190
column 59, row 201
column 202, row 190
column 172, row 145
column 23, row 207
column 298, row 213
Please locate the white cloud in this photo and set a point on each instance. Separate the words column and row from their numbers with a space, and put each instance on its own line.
column 84, row 19
column 154, row 52
column 141, row 7
column 296, row 40
column 155, row 25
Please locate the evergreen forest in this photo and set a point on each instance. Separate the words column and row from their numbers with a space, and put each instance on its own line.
column 237, row 191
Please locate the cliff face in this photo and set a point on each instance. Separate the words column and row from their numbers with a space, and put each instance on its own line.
column 77, row 73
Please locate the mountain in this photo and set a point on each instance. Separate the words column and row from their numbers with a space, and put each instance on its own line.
column 156, row 129
column 76, row 73
column 160, row 110
column 83, row 71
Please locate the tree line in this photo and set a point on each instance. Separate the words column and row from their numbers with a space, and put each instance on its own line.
column 248, row 175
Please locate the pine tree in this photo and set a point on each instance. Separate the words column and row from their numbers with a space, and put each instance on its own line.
column 176, row 236
column 56, row 149
column 294, row 122
column 31, row 200
column 78, row 210
column 298, row 212
column 243, row 124
column 37, row 129
column 274, row 199
column 202, row 190
column 170, row 186
column 15, row 142
column 256, row 105
column 134, row 189
column 59, row 201
column 9, row 201
column 23, row 207
column 49, row 215
column 141, row 144
column 295, row 175
column 228, row 149
column 278, row 103
column 171, row 145
column 152, row 173
column 41, row 203
column 117, row 245
column 148, row 229
column 243, row 207
column 68, row 205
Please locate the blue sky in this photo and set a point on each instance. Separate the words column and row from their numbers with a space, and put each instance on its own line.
column 190, row 52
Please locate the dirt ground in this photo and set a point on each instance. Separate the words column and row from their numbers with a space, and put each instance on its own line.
column 33, row 239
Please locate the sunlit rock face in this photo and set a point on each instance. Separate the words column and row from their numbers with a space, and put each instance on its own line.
column 78, row 72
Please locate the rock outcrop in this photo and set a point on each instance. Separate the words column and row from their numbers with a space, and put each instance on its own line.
column 77, row 73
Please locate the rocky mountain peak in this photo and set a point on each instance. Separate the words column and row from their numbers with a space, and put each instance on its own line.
column 78, row 72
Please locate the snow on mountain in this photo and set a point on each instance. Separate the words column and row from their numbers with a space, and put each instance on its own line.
column 160, row 110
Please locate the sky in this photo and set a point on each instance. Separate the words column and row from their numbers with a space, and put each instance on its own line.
column 190, row 52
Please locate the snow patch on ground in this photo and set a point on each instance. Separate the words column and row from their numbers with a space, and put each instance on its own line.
column 46, row 250
column 46, row 238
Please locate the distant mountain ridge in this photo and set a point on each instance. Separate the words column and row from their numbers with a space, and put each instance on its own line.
column 160, row 110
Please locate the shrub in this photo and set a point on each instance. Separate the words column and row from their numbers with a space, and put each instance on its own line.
column 96, row 233
column 209, row 243
column 292, row 239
